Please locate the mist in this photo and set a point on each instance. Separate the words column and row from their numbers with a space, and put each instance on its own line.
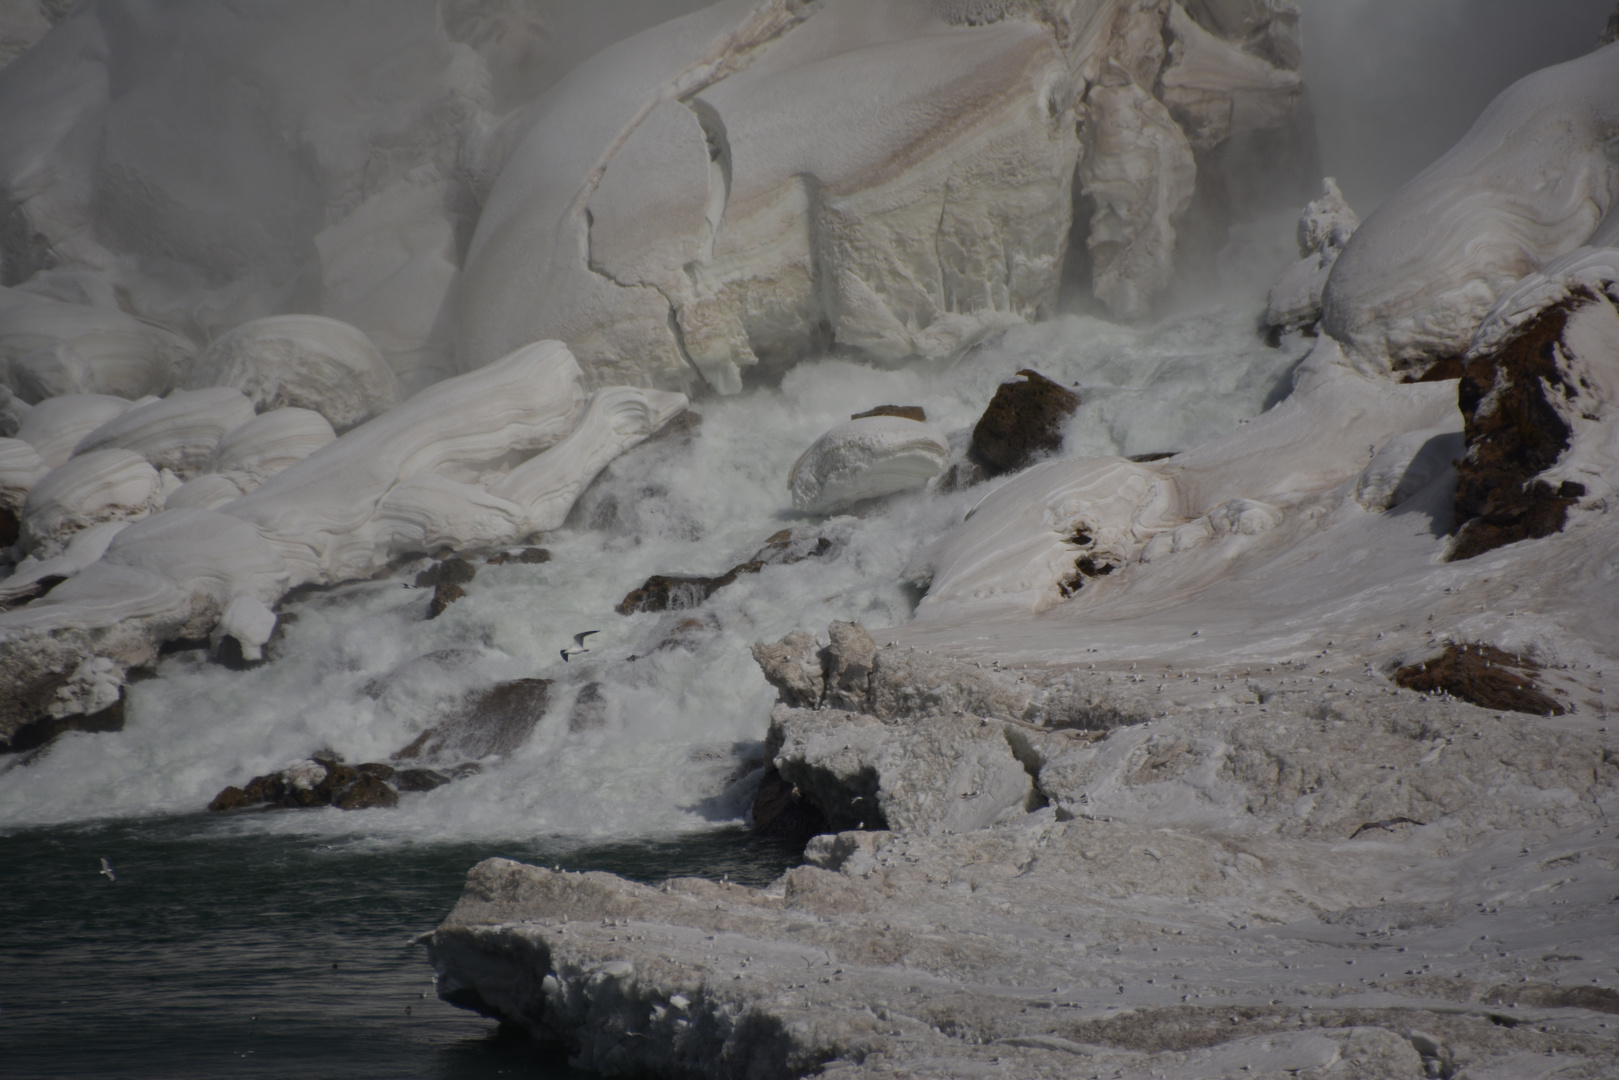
column 1394, row 84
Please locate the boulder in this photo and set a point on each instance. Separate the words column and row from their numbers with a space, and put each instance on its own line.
column 106, row 485
column 49, row 348
column 306, row 361
column 317, row 781
column 57, row 425
column 849, row 660
column 795, row 667
column 1324, row 228
column 496, row 720
column 1024, row 421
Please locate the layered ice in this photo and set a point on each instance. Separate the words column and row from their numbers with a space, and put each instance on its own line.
column 49, row 348
column 179, row 433
column 865, row 458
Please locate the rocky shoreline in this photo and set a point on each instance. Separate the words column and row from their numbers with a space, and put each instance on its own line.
column 1361, row 882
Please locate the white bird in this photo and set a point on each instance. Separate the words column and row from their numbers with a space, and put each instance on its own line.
column 578, row 644
column 106, row 868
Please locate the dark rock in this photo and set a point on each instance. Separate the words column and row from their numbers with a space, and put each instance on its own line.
column 1483, row 675
column 1513, row 433
column 229, row 654
column 366, row 793
column 780, row 809
column 444, row 594
column 676, row 592
column 380, row 770
column 493, row 721
column 43, row 731
column 232, row 798
column 1023, row 421
column 1157, row 455
column 908, row 412
column 451, row 571
column 420, row 779
column 10, row 528
column 520, row 555
column 688, row 633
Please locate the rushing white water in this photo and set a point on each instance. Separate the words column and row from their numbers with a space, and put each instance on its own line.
column 682, row 717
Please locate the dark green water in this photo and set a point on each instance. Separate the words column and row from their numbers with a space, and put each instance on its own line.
column 217, row 954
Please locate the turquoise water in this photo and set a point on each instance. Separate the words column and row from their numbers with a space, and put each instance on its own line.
column 221, row 954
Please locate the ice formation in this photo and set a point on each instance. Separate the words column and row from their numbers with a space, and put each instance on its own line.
column 49, row 348
column 304, row 360
column 57, row 425
column 179, row 433
column 1532, row 180
column 1324, row 228
column 866, row 458
column 103, row 485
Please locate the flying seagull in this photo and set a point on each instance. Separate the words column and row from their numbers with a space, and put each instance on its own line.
column 106, row 868
column 578, row 645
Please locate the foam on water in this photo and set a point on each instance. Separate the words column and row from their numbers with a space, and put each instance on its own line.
column 685, row 716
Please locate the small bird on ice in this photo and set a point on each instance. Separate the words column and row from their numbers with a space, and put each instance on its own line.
column 106, row 868
column 578, row 645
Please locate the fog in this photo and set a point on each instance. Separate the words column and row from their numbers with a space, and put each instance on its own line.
column 1394, row 84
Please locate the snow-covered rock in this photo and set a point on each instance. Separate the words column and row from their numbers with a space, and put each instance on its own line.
column 20, row 468
column 208, row 491
column 49, row 348
column 306, row 361
column 57, row 425
column 104, row 485
column 258, row 449
column 865, row 459
column 1325, row 227
column 85, row 547
column 179, row 433
column 1531, row 180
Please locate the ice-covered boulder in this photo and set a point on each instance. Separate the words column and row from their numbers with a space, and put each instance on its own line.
column 34, row 576
column 49, row 348
column 1325, row 227
column 104, row 485
column 20, row 468
column 209, row 491
column 179, row 433
column 1532, row 179
column 306, row 361
column 865, row 459
column 255, row 451
column 57, row 425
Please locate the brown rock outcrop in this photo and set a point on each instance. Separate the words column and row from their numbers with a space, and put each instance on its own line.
column 909, row 412
column 1481, row 675
column 1023, row 420
column 666, row 592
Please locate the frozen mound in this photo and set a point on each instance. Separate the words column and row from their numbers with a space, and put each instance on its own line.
column 57, row 425
column 301, row 360
column 752, row 183
column 481, row 460
column 1533, row 178
column 48, row 348
column 179, row 433
column 34, row 576
column 20, row 468
column 865, row 459
column 257, row 450
column 1325, row 227
column 103, row 485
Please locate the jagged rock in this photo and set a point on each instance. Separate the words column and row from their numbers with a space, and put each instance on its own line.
column 907, row 412
column 526, row 555
column 43, row 731
column 452, row 571
column 666, row 592
column 444, row 594
column 794, row 666
column 1484, row 675
column 849, row 659
column 367, row 792
column 939, row 773
column 493, row 721
column 780, row 809
column 1023, row 421
column 1516, row 403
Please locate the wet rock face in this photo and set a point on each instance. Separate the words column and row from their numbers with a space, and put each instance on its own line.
column 1482, row 675
column 494, row 721
column 675, row 592
column 1023, row 421
column 316, row 782
column 1513, row 432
